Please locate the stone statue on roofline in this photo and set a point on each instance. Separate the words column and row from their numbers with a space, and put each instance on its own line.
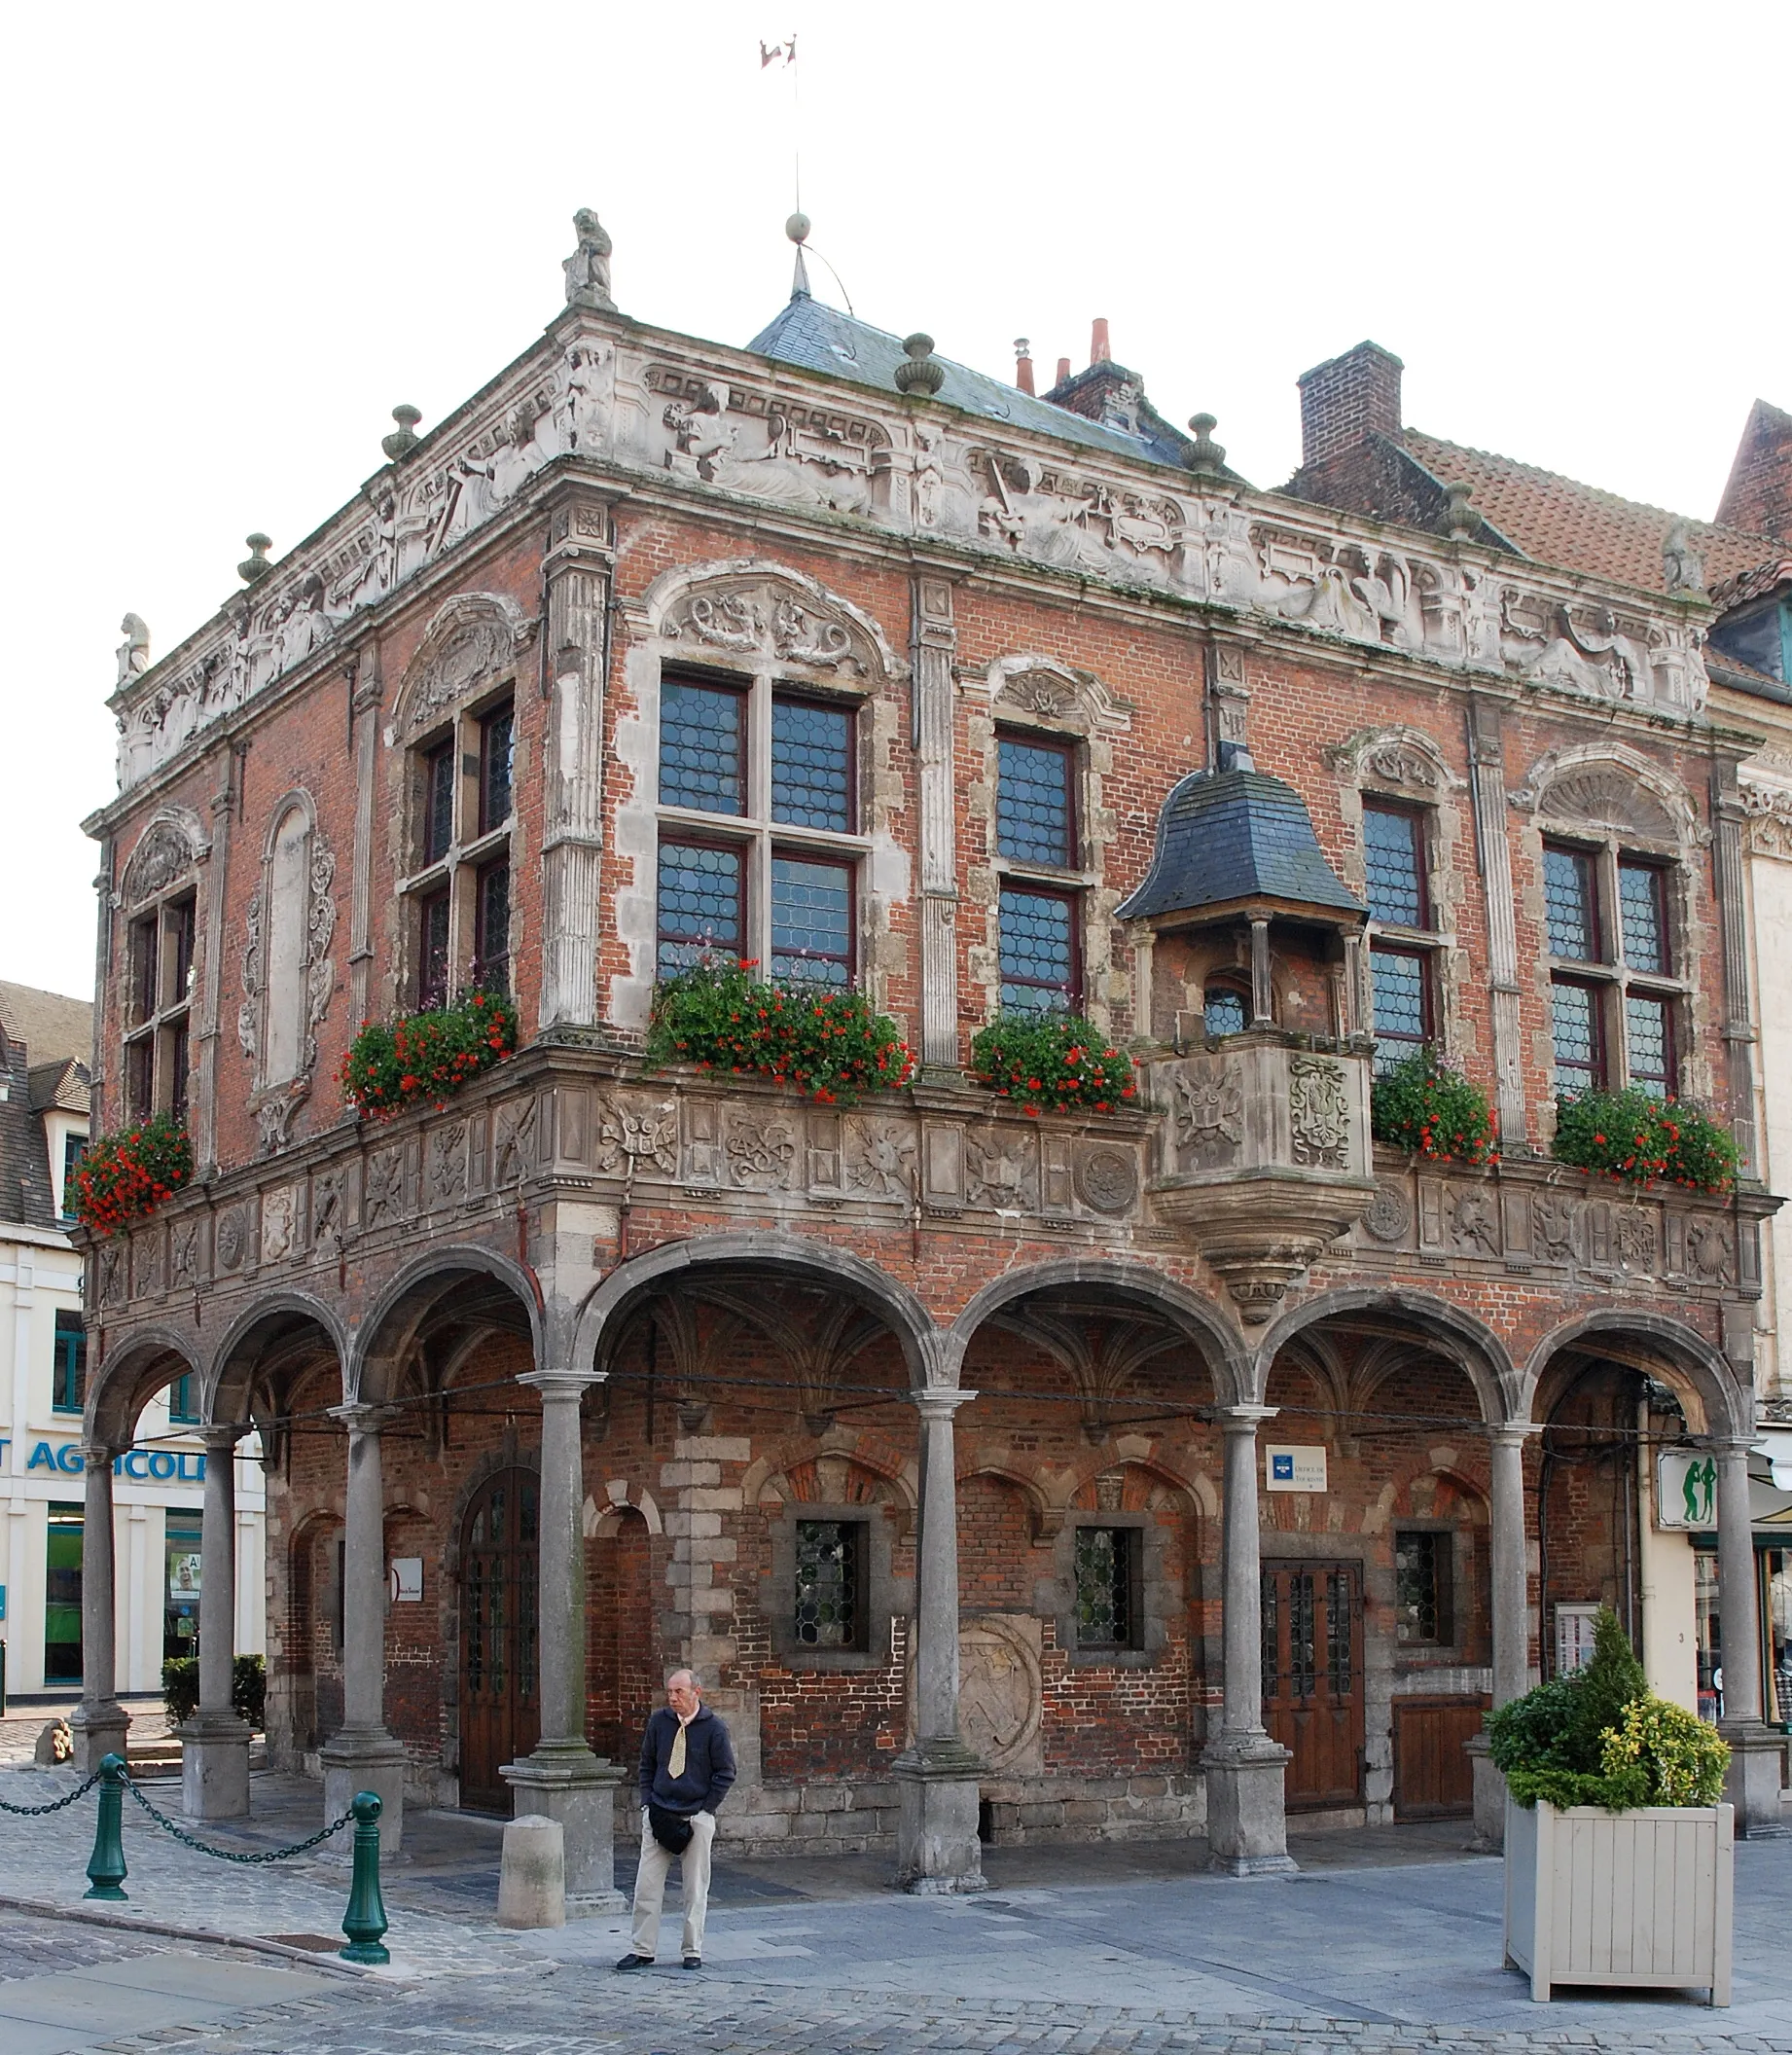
column 1682, row 566
column 587, row 269
column 135, row 651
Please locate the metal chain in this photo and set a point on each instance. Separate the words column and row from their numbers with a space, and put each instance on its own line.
column 33, row 1812
column 229, row 1855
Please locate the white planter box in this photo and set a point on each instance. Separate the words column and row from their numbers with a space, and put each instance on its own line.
column 1644, row 1897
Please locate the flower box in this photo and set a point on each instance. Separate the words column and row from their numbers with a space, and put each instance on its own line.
column 1644, row 1897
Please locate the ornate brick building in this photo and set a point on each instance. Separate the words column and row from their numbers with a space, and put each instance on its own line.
column 931, row 1434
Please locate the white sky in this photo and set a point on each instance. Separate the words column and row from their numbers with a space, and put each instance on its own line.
column 238, row 234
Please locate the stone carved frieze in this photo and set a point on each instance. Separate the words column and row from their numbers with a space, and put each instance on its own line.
column 1061, row 516
column 184, row 1255
column 110, row 1261
column 1107, row 1180
column 329, row 1205
column 1471, row 1221
column 769, row 444
column 279, row 1223
column 879, row 1159
column 1711, row 1252
column 446, row 1159
column 230, row 1242
column 383, row 1203
column 1318, row 1113
column 761, row 1148
column 633, row 1135
column 1767, row 808
column 759, row 618
column 1389, row 1213
column 513, row 1140
column 1002, row 1176
column 1207, row 1110
column 1553, row 1219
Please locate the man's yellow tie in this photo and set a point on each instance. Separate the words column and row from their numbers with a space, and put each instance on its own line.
column 675, row 1761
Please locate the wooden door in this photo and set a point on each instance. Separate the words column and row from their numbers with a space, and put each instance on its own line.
column 500, row 1714
column 1434, row 1777
column 1313, row 1679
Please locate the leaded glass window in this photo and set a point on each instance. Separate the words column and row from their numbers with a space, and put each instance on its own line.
column 701, row 903
column 1034, row 810
column 811, row 920
column 829, row 1606
column 497, row 746
column 1402, row 981
column 1105, row 1570
column 1570, row 904
column 1648, row 1034
column 491, row 926
column 1272, row 1636
column 1643, row 909
column 811, row 764
column 702, row 747
column 437, row 803
column 1339, row 1633
column 1302, row 1643
column 433, row 950
column 1422, row 1588
column 1038, row 950
column 1394, row 866
column 1580, row 1054
column 1223, row 1010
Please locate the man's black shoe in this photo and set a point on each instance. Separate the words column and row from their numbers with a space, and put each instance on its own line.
column 693, row 1962
column 631, row 1961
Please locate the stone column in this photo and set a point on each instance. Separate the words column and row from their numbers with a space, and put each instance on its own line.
column 563, row 1779
column 1511, row 1595
column 937, row 1848
column 202, row 1085
column 1246, row 1824
column 364, row 712
column 1757, row 1756
column 215, row 1741
column 1487, row 776
column 932, row 645
column 98, row 1723
column 1739, row 1036
column 362, row 1757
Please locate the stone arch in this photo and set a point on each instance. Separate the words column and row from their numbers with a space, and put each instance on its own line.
column 264, row 1330
column 472, row 639
column 635, row 1499
column 1045, row 689
column 1457, row 1336
column 1689, row 1359
column 129, row 1377
column 171, row 844
column 1222, row 1354
column 795, row 1256
column 1609, row 787
column 755, row 612
column 1398, row 761
column 423, row 1287
column 1045, row 1511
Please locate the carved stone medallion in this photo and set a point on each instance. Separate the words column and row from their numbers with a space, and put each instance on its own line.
column 1209, row 1109
column 999, row 1691
column 232, row 1238
column 279, row 1223
column 1389, row 1215
column 1107, row 1180
column 880, row 1160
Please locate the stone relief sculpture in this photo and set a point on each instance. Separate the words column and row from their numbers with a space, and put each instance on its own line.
column 1002, row 1178
column 761, row 619
column 472, row 637
column 1208, row 1110
column 632, row 1135
column 880, row 1160
column 1318, row 1112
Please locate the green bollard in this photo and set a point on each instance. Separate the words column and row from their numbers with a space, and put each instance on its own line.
column 106, row 1865
column 365, row 1920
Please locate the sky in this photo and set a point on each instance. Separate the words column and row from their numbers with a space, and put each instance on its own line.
column 237, row 237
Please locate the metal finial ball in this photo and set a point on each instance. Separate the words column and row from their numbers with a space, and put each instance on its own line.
column 797, row 228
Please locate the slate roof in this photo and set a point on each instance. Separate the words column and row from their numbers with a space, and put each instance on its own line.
column 819, row 338
column 1227, row 836
column 61, row 1085
column 47, row 1023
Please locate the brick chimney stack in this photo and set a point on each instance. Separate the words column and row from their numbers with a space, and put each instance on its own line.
column 1064, row 372
column 1024, row 364
column 1759, row 494
column 1099, row 351
column 1346, row 398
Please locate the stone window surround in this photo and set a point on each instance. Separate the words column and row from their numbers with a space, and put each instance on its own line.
column 754, row 830
column 885, row 1598
column 1415, row 1657
column 1158, row 1602
column 459, row 867
column 168, row 1015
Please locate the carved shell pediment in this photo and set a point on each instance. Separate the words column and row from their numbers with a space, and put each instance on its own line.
column 171, row 844
column 1611, row 788
column 765, row 615
column 1046, row 689
column 474, row 638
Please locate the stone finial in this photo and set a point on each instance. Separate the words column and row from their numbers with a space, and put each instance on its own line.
column 587, row 269
column 797, row 228
column 1206, row 455
column 404, row 437
column 1682, row 566
column 1463, row 521
column 923, row 374
column 256, row 565
column 135, row 651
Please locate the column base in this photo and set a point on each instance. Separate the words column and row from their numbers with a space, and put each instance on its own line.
column 563, row 1780
column 938, row 1854
column 1247, row 1827
column 100, row 1727
column 214, row 1766
column 364, row 1759
column 1490, row 1835
column 1757, row 1773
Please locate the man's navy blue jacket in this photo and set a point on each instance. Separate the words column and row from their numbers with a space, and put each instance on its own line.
column 709, row 1762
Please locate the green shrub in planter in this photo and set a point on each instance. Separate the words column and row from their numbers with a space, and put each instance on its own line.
column 1602, row 1737
column 1055, row 1062
column 1642, row 1139
column 1422, row 1105
column 180, row 1688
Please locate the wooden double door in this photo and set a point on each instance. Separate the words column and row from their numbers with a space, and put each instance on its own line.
column 1313, row 1679
column 500, row 1704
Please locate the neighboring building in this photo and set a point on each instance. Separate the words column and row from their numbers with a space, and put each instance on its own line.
column 45, row 1043
column 930, row 1432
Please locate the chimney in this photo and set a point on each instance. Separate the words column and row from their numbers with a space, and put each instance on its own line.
column 1064, row 371
column 1099, row 352
column 1024, row 365
column 1348, row 398
column 1759, row 494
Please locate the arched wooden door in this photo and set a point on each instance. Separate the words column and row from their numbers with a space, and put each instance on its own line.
column 500, row 1709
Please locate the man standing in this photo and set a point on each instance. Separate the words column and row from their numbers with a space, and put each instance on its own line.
column 687, row 1766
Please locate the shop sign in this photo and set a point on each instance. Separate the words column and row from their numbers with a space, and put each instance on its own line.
column 406, row 1577
column 1294, row 1468
column 1686, row 1490
column 140, row 1466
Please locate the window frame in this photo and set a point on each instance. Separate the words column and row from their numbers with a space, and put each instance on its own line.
column 1422, row 944
column 1072, row 898
column 859, row 1572
column 1405, row 1044
column 742, row 893
column 456, row 871
column 71, row 1329
column 1442, row 1542
column 163, row 956
column 1129, row 1540
column 849, row 955
column 1419, row 827
column 1068, row 750
column 1610, row 979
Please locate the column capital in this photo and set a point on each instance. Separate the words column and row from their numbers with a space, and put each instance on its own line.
column 561, row 1383
column 362, row 1418
column 1244, row 1420
column 97, row 1457
column 1731, row 1444
column 1512, row 1434
column 938, row 1402
column 220, row 1435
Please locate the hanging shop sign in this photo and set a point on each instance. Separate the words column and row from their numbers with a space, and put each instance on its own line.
column 1686, row 1490
column 140, row 1466
column 1294, row 1468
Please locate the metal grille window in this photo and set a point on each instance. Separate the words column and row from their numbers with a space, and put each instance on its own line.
column 156, row 1045
column 1575, row 1025
column 1648, row 1035
column 1394, row 866
column 1570, row 904
column 1302, row 1645
column 811, row 920
column 1642, row 905
column 702, row 747
column 1422, row 1588
column 811, row 764
column 1223, row 1010
column 830, row 1602
column 1034, row 813
column 703, row 904
column 459, row 892
column 1402, row 980
column 69, row 1365
column 1272, row 1636
column 1039, row 955
column 1107, row 1598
